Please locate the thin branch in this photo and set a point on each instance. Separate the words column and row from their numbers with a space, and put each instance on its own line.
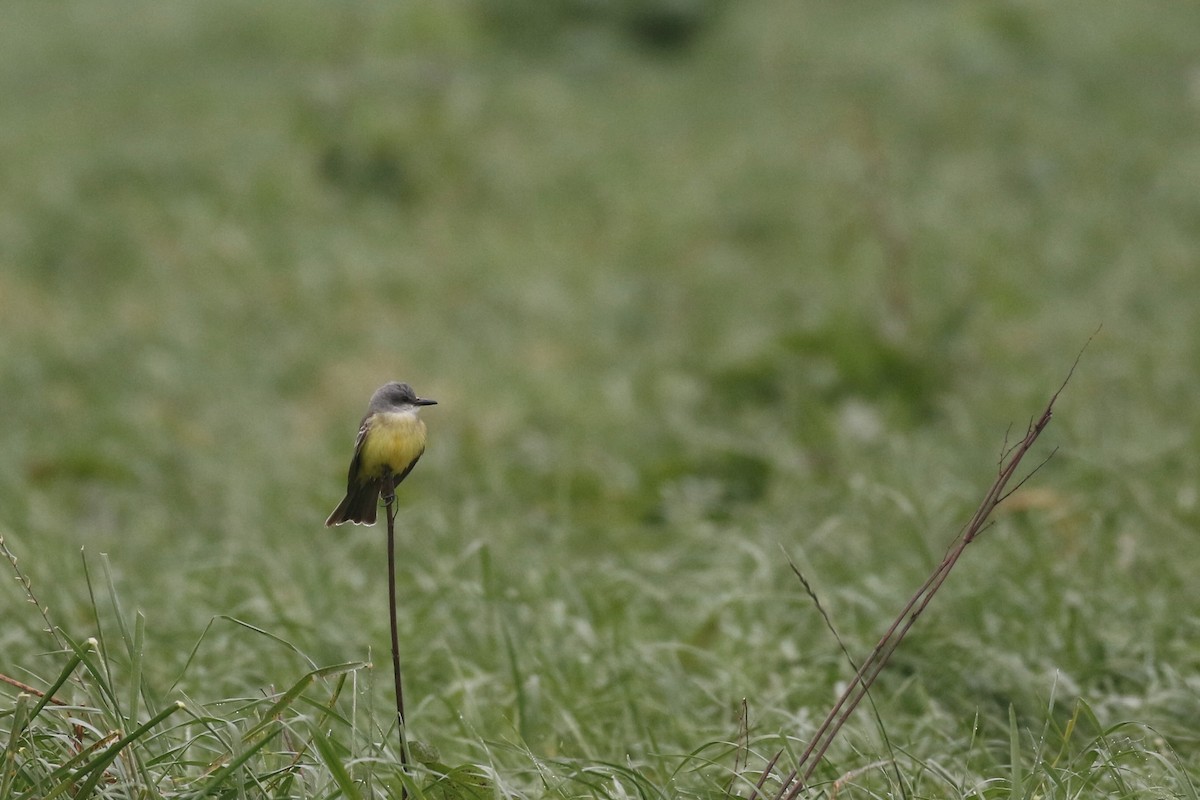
column 1032, row 472
column 766, row 773
column 741, row 751
column 27, row 586
column 25, row 687
column 887, row 740
column 391, row 509
column 865, row 676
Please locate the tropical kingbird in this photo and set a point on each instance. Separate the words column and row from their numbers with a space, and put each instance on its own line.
column 390, row 440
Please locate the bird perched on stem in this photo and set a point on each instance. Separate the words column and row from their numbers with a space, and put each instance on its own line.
column 390, row 440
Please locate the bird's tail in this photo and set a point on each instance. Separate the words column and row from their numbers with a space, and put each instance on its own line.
column 358, row 506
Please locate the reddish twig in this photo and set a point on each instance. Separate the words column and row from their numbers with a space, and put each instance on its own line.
column 866, row 675
column 766, row 773
column 24, row 687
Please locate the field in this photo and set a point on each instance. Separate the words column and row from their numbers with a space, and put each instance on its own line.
column 705, row 290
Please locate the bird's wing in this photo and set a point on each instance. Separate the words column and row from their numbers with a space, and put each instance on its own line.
column 363, row 427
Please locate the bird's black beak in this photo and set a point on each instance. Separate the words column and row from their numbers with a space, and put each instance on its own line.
column 424, row 401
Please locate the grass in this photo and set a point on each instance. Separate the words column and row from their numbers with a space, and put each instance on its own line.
column 700, row 288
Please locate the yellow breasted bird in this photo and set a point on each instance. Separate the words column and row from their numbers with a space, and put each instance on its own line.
column 390, row 440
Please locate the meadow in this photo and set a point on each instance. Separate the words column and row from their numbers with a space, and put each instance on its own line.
column 705, row 291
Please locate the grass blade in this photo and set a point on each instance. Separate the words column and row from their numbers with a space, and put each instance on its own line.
column 48, row 695
column 136, row 651
column 95, row 770
column 341, row 776
column 1016, row 773
column 9, row 764
column 297, row 688
column 219, row 778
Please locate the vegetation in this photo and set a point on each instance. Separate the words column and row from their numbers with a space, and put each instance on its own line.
column 703, row 290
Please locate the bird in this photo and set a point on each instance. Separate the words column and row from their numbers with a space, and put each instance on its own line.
column 391, row 438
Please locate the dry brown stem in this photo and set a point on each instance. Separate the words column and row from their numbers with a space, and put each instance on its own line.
column 860, row 685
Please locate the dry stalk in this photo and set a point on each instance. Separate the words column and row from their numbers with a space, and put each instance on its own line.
column 860, row 685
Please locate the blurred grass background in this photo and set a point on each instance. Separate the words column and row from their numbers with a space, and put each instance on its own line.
column 696, row 284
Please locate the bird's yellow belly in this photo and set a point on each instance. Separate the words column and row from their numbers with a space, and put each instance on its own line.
column 393, row 443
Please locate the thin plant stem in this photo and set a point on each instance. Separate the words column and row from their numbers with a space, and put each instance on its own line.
column 859, row 687
column 389, row 499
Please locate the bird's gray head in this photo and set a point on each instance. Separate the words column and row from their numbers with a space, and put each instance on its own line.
column 396, row 397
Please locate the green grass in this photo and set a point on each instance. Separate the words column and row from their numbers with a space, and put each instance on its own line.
column 700, row 287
